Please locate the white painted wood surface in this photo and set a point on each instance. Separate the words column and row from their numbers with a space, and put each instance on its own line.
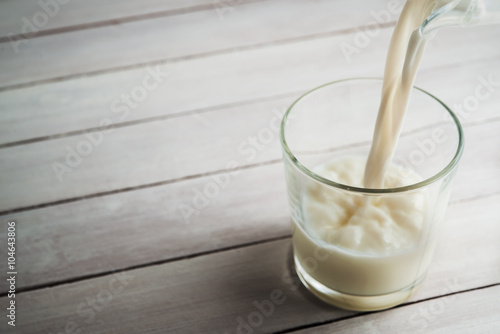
column 472, row 312
column 171, row 38
column 212, row 291
column 69, row 13
column 113, row 228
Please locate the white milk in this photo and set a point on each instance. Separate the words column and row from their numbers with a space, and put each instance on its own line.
column 404, row 56
column 361, row 246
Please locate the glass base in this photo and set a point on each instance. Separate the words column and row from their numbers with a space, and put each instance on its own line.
column 355, row 302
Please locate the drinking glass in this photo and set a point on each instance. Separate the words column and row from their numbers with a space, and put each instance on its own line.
column 335, row 121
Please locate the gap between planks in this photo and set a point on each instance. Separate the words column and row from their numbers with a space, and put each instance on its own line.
column 125, row 19
column 221, row 250
column 185, row 178
column 321, row 323
column 199, row 111
column 144, row 265
column 262, row 45
column 142, row 186
column 185, row 113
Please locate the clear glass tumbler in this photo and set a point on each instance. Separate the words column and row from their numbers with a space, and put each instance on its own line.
column 379, row 260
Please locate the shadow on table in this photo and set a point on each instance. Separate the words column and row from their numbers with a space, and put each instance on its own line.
column 262, row 290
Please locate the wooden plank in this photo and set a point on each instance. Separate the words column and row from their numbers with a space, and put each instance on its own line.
column 83, row 237
column 176, row 297
column 211, row 292
column 79, row 12
column 173, row 299
column 471, row 312
column 163, row 38
column 55, row 249
column 252, row 75
column 158, row 152
column 151, row 151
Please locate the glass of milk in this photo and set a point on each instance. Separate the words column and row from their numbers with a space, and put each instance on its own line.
column 361, row 248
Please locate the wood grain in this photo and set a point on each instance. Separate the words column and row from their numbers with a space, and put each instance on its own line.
column 163, row 38
column 471, row 312
column 157, row 152
column 175, row 295
column 47, row 110
column 83, row 238
column 114, row 234
column 83, row 13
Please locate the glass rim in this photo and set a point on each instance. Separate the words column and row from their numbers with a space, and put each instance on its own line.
column 442, row 173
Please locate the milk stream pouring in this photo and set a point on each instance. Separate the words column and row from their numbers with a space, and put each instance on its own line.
column 379, row 238
column 417, row 23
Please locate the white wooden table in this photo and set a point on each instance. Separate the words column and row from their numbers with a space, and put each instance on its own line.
column 140, row 204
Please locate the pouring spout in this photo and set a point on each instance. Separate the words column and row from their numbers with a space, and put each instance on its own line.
column 450, row 13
